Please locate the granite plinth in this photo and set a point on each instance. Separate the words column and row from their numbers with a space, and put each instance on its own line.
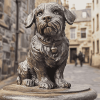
column 19, row 92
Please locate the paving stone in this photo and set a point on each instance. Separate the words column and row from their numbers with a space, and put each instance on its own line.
column 83, row 75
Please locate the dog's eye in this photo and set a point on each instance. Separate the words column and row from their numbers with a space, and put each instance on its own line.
column 56, row 12
column 39, row 13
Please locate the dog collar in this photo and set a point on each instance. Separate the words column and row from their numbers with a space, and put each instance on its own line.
column 52, row 42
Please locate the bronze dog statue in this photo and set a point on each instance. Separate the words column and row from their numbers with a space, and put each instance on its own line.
column 49, row 47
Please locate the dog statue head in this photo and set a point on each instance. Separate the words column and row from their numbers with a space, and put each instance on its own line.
column 49, row 19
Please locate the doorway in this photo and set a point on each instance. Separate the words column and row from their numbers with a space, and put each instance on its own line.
column 72, row 52
column 86, row 53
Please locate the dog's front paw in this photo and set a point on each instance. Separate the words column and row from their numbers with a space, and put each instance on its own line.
column 28, row 82
column 46, row 83
column 62, row 83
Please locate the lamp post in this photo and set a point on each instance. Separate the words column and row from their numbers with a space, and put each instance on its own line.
column 17, row 32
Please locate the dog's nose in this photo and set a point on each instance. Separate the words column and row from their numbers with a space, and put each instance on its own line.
column 47, row 18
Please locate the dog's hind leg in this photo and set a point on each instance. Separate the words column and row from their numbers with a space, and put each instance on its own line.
column 26, row 74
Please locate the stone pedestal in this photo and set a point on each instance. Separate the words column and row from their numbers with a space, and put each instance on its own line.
column 19, row 92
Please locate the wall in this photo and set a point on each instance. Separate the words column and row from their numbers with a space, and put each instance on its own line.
column 8, row 33
column 38, row 2
column 78, row 42
column 95, row 33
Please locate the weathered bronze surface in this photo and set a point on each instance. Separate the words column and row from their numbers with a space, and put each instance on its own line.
column 49, row 47
column 20, row 92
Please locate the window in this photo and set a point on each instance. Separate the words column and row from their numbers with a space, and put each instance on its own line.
column 93, row 25
column 97, row 22
column 97, row 46
column 93, row 47
column 72, row 33
column 83, row 33
column 5, row 40
column 6, row 55
column 84, row 14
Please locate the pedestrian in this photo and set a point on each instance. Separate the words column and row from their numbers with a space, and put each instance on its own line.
column 75, row 58
column 81, row 58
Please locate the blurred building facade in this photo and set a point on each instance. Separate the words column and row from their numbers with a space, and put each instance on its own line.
column 79, row 34
column 83, row 35
column 8, row 33
column 95, row 22
column 38, row 2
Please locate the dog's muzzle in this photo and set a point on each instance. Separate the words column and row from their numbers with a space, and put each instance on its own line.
column 49, row 30
column 49, row 27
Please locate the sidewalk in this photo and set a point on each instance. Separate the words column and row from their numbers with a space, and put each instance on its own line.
column 83, row 75
column 8, row 81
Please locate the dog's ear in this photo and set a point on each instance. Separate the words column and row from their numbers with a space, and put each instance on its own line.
column 69, row 16
column 30, row 19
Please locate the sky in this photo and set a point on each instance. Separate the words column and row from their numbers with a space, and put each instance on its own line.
column 79, row 4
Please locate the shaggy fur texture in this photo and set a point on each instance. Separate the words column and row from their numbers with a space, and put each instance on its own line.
column 49, row 47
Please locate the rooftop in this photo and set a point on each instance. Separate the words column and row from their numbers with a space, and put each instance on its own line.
column 83, row 15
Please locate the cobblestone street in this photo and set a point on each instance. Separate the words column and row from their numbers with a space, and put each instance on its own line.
column 83, row 75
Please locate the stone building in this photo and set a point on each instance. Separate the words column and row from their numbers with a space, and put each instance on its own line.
column 95, row 20
column 79, row 34
column 38, row 2
column 8, row 33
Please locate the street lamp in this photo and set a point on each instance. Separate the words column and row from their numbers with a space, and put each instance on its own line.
column 17, row 32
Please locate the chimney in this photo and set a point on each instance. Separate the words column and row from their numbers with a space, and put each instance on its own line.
column 66, row 5
column 88, row 5
column 73, row 8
